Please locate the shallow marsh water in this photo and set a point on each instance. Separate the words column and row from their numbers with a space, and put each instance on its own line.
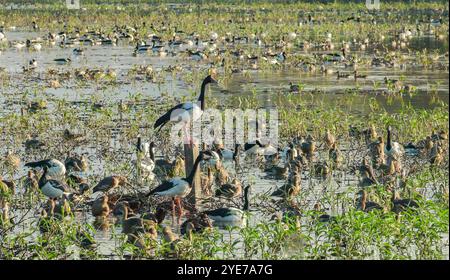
column 267, row 86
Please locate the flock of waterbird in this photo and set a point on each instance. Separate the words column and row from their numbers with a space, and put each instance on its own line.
column 64, row 185
column 239, row 53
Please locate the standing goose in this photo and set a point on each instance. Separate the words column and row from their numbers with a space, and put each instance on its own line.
column 147, row 160
column 392, row 149
column 55, row 168
column 185, row 112
column 177, row 187
column 52, row 188
column 230, row 214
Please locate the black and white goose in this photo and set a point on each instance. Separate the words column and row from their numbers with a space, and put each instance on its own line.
column 62, row 61
column 228, row 154
column 257, row 148
column 147, row 161
column 52, row 188
column 230, row 214
column 178, row 187
column 55, row 167
column 185, row 112
column 392, row 149
column 253, row 148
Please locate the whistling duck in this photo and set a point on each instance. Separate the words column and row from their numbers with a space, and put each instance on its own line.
column 55, row 168
column 366, row 205
column 133, row 225
column 172, row 168
column 230, row 190
column 335, row 155
column 400, row 205
column 207, row 182
column 278, row 172
column 329, row 139
column 291, row 189
column 31, row 182
column 76, row 163
column 100, row 207
column 69, row 135
column 230, row 215
column 437, row 155
column 10, row 184
column 370, row 134
column 110, row 182
column 357, row 76
column 308, row 146
column 196, row 223
column 222, row 176
column 157, row 217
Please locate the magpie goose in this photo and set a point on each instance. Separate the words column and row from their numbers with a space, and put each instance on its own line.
column 52, row 188
column 55, row 167
column 230, row 214
column 392, row 149
column 180, row 187
column 184, row 112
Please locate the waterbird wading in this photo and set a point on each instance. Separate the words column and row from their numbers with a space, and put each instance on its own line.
column 177, row 187
column 185, row 112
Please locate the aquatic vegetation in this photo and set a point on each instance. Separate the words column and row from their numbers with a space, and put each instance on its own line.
column 337, row 74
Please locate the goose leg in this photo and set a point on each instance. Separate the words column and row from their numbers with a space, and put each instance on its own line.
column 180, row 209
column 173, row 209
column 186, row 134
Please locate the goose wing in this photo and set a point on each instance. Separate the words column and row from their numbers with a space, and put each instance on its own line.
column 170, row 187
column 161, row 121
column 58, row 185
column 41, row 163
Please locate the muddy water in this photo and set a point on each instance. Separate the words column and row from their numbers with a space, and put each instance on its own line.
column 431, row 85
